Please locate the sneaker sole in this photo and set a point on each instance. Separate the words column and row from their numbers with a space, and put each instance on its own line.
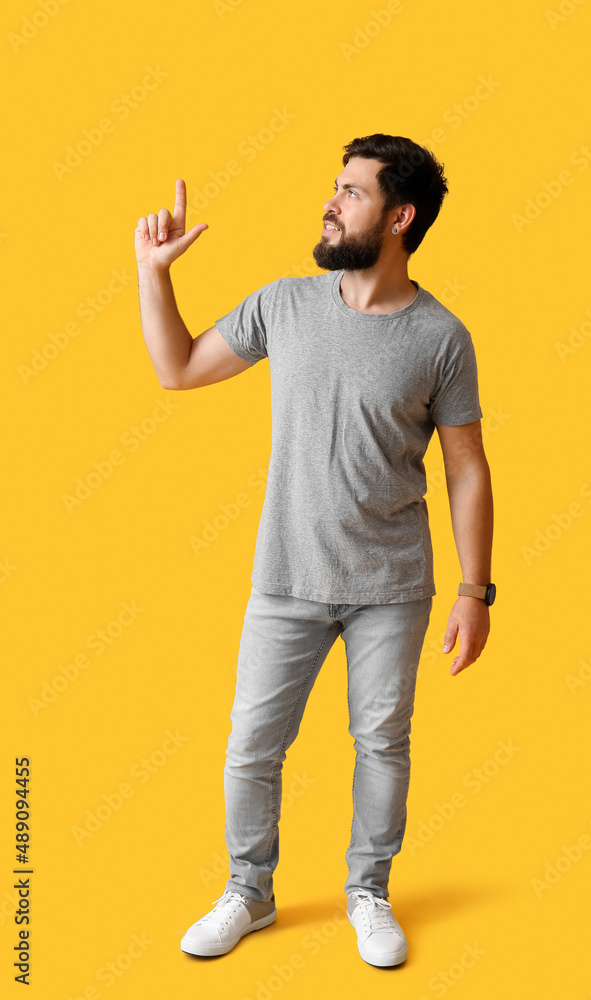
column 381, row 960
column 208, row 951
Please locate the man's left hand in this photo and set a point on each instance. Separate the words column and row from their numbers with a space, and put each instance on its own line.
column 470, row 616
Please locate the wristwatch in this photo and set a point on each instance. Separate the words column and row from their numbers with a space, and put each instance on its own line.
column 487, row 592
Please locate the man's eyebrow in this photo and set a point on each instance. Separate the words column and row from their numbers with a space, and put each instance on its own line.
column 358, row 186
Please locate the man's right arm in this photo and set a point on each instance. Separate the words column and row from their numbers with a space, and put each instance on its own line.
column 180, row 361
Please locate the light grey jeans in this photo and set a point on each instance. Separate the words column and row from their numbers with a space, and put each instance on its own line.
column 283, row 645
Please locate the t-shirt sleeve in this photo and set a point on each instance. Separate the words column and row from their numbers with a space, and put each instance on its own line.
column 456, row 399
column 246, row 327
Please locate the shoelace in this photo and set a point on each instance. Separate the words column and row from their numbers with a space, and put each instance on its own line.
column 221, row 914
column 377, row 909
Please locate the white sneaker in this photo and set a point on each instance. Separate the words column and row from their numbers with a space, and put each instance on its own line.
column 380, row 937
column 234, row 916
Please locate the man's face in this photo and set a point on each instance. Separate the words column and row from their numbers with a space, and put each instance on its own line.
column 359, row 214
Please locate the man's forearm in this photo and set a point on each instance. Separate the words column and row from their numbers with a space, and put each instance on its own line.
column 167, row 338
column 471, row 506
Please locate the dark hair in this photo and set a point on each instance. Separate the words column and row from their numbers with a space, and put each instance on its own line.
column 411, row 175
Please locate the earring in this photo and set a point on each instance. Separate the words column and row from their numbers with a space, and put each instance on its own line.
column 394, row 230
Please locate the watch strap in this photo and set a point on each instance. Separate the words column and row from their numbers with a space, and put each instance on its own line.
column 472, row 590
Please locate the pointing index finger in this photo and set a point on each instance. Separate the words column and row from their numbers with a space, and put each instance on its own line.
column 180, row 204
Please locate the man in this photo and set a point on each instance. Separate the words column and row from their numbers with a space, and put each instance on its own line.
column 365, row 363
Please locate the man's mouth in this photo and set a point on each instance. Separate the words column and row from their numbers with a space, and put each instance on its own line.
column 329, row 227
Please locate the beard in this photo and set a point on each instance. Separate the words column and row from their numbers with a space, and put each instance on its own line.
column 352, row 253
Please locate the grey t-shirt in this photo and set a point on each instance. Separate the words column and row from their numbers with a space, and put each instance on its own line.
column 354, row 402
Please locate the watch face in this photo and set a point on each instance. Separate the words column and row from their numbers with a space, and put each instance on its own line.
column 491, row 593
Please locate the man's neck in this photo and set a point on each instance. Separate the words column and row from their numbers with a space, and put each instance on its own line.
column 371, row 292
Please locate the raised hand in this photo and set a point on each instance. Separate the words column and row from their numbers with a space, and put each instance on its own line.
column 160, row 239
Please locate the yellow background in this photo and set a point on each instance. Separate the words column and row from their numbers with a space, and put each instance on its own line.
column 157, row 863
